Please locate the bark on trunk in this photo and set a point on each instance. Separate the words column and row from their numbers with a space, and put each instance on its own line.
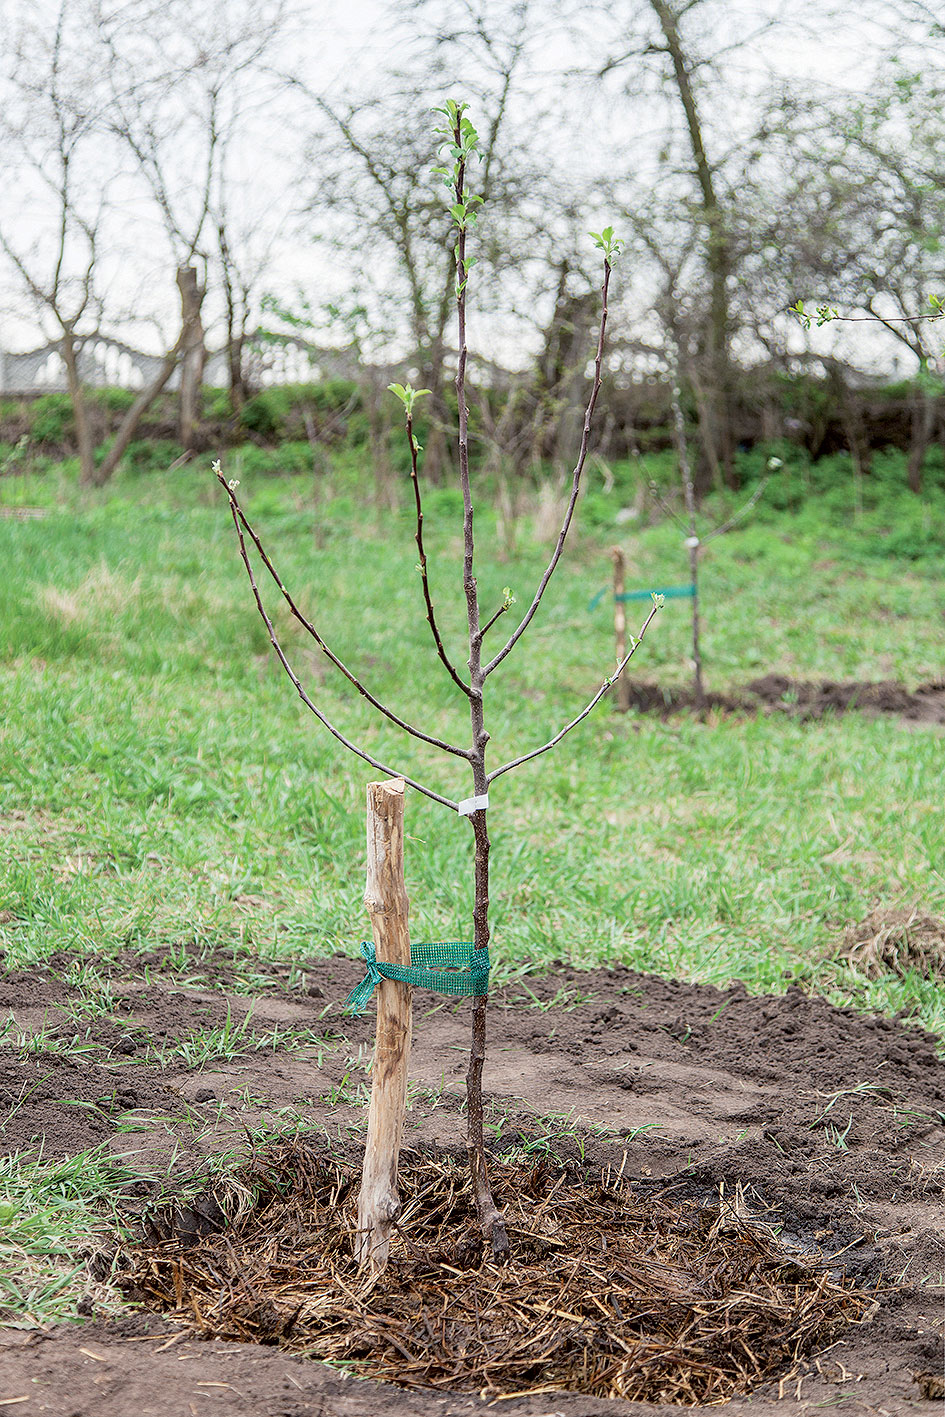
column 923, row 425
column 194, row 354
column 129, row 424
column 83, row 433
column 717, row 377
column 235, row 345
column 387, row 904
column 491, row 1221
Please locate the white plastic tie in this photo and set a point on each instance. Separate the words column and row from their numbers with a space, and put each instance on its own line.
column 691, row 542
column 473, row 804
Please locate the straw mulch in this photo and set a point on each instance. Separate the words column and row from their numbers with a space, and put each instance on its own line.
column 901, row 940
column 606, row 1293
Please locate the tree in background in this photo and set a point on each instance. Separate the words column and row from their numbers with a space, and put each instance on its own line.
column 49, row 128
column 861, row 228
column 676, row 37
column 56, row 121
column 177, row 81
column 371, row 155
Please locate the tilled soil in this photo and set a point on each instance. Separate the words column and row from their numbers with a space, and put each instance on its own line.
column 831, row 1122
column 799, row 698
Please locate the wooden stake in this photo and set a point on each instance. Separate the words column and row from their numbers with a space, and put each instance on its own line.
column 386, row 901
column 620, row 628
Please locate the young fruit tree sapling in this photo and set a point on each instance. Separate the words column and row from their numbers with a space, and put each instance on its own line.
column 459, row 146
column 694, row 542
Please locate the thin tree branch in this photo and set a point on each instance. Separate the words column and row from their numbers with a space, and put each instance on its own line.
column 274, row 641
column 575, row 487
column 665, row 508
column 431, row 618
column 536, row 752
column 888, row 320
column 489, row 623
column 64, row 152
column 737, row 516
column 329, row 653
column 469, row 546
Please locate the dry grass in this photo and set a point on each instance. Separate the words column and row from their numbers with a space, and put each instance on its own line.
column 607, row 1293
column 900, row 940
column 100, row 590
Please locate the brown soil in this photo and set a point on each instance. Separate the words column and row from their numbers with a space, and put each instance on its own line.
column 776, row 693
column 830, row 1125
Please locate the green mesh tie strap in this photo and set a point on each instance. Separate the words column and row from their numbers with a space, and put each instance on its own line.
column 669, row 592
column 454, row 967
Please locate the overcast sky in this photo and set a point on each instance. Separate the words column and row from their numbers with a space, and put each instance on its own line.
column 340, row 47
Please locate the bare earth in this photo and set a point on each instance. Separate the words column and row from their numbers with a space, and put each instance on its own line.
column 833, row 1123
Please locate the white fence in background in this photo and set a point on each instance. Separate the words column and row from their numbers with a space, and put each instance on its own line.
column 109, row 363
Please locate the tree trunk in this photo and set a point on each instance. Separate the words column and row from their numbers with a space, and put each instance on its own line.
column 698, row 685
column 129, row 424
column 692, row 540
column 236, row 316
column 620, row 628
column 83, row 433
column 491, row 1221
column 235, row 345
column 386, row 901
column 193, row 356
column 923, row 425
column 854, row 430
column 718, row 256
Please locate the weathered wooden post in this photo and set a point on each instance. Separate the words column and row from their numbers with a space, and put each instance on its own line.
column 386, row 900
column 620, row 627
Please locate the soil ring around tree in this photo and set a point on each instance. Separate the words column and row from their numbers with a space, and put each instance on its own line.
column 820, row 1125
column 797, row 698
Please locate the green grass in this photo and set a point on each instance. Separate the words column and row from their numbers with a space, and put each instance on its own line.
column 230, row 1039
column 53, row 1215
column 165, row 801
column 162, row 790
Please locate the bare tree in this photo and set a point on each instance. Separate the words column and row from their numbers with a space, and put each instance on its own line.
column 665, row 33
column 54, row 121
column 242, row 258
column 178, row 80
column 371, row 159
column 858, row 227
column 48, row 132
column 463, row 147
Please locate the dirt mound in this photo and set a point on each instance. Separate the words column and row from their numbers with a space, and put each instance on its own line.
column 900, row 940
column 815, row 700
column 658, row 699
column 799, row 698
